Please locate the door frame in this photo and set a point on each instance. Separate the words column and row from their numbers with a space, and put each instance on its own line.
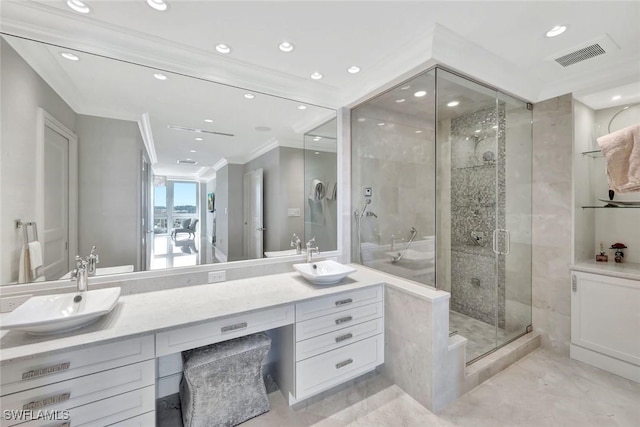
column 45, row 119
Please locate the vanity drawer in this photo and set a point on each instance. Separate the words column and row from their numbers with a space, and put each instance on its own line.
column 118, row 410
column 338, row 320
column 326, row 370
column 81, row 391
column 144, row 420
column 42, row 370
column 339, row 338
column 337, row 302
column 215, row 331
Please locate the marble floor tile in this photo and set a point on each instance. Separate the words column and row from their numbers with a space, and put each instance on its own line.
column 542, row 389
column 481, row 337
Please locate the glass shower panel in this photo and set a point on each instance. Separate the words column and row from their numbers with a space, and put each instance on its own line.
column 471, row 197
column 515, row 296
column 393, row 181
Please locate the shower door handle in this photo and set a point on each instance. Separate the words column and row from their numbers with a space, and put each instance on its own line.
column 507, row 241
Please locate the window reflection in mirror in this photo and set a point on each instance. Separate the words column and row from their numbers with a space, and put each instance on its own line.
column 149, row 153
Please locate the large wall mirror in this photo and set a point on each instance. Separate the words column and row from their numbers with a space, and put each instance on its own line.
column 157, row 170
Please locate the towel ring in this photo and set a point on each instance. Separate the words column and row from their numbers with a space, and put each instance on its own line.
column 616, row 114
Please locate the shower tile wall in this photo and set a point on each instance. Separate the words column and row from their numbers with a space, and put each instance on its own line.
column 477, row 185
column 397, row 163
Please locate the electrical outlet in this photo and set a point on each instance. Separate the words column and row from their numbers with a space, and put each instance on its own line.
column 217, row 276
column 293, row 212
column 11, row 303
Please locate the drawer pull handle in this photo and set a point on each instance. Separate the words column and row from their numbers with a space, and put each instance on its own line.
column 47, row 401
column 344, row 337
column 344, row 319
column 46, row 371
column 344, row 301
column 233, row 327
column 343, row 364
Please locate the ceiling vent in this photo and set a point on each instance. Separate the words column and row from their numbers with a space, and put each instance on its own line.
column 187, row 162
column 581, row 55
column 173, row 127
column 588, row 50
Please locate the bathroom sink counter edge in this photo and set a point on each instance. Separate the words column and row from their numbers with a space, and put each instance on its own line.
column 159, row 311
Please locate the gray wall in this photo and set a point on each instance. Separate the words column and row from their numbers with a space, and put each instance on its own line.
column 109, row 153
column 229, row 211
column 22, row 91
column 321, row 218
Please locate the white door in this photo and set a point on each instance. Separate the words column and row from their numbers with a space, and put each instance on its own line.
column 56, row 205
column 253, row 207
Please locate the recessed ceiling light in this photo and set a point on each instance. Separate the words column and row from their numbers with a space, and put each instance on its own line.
column 615, row 98
column 556, row 31
column 286, row 47
column 192, row 151
column 317, row 138
column 316, row 76
column 249, row 95
column 302, row 107
column 160, row 5
column 223, row 48
column 208, row 120
column 420, row 93
column 160, row 76
column 70, row 56
column 405, row 87
column 353, row 69
column 381, row 124
column 198, row 139
column 361, row 119
column 418, row 131
column 78, row 6
column 400, row 100
column 453, row 104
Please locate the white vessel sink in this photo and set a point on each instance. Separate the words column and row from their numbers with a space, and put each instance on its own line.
column 324, row 272
column 52, row 314
column 288, row 252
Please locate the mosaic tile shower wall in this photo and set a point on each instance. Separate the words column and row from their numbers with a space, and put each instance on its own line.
column 477, row 208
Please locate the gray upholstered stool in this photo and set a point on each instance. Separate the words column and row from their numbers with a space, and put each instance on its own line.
column 222, row 383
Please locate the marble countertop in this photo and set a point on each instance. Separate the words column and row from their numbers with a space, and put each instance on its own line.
column 151, row 312
column 625, row 270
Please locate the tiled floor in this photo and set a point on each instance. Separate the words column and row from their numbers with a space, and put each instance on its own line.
column 481, row 337
column 542, row 389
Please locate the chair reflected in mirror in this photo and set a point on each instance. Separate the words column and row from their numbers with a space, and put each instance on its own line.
column 187, row 246
column 188, row 226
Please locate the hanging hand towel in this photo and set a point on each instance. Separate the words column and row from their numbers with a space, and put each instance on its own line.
column 317, row 190
column 35, row 261
column 621, row 150
column 24, row 266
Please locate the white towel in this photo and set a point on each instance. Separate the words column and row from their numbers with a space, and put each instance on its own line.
column 24, row 269
column 621, row 150
column 318, row 190
column 35, row 260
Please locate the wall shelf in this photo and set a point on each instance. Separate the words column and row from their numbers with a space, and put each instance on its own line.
column 595, row 154
column 611, row 207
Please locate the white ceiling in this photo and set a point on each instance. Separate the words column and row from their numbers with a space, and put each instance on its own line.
column 499, row 43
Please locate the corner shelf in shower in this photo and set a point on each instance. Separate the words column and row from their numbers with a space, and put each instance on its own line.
column 594, row 154
column 610, row 207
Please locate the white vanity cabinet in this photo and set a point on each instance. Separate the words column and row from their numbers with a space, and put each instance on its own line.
column 98, row 385
column 605, row 323
column 336, row 338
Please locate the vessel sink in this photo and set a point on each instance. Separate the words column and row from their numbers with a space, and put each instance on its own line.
column 324, row 272
column 52, row 314
column 288, row 252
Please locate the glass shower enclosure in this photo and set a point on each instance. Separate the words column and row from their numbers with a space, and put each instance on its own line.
column 441, row 195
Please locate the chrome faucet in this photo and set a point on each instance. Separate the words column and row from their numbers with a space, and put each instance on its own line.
column 296, row 243
column 92, row 260
column 310, row 250
column 81, row 276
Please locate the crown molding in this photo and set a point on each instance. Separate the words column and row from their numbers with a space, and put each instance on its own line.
column 269, row 145
column 206, row 174
column 147, row 137
column 220, row 164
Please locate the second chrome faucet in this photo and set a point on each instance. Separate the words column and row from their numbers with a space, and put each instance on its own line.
column 310, row 250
